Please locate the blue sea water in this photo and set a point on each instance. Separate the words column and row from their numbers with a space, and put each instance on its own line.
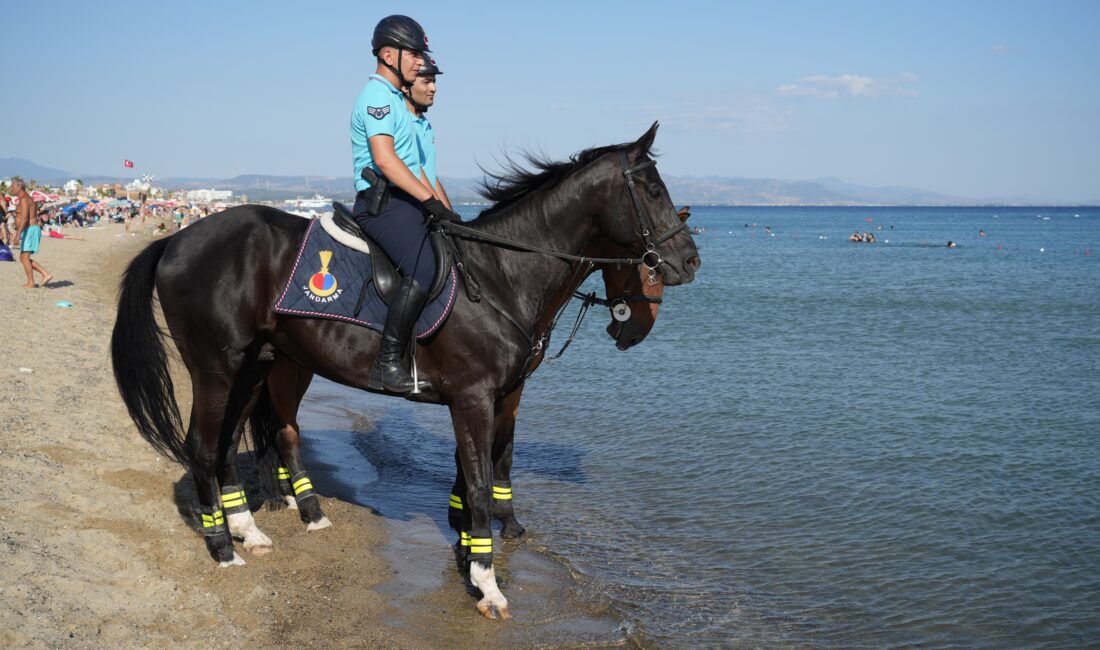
column 821, row 443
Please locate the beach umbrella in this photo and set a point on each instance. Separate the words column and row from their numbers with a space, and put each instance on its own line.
column 39, row 196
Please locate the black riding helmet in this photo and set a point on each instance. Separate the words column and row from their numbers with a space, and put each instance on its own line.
column 428, row 68
column 401, row 32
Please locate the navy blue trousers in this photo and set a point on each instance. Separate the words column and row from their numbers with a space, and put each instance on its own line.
column 402, row 232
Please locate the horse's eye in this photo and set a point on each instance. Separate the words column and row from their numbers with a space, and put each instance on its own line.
column 655, row 191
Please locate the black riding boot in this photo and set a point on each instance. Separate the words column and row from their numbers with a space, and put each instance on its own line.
column 391, row 372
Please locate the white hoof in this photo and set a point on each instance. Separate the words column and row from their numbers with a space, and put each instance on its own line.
column 320, row 524
column 291, row 502
column 236, row 561
column 243, row 527
column 494, row 605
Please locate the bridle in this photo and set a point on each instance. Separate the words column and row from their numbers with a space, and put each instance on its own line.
column 620, row 309
column 651, row 258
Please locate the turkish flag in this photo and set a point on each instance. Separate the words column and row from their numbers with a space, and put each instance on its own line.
column 127, row 163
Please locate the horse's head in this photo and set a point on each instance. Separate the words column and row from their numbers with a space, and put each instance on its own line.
column 642, row 218
column 635, row 300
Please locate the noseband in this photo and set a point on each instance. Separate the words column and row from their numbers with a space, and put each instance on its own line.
column 651, row 258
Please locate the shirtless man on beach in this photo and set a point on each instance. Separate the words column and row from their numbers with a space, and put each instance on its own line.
column 28, row 233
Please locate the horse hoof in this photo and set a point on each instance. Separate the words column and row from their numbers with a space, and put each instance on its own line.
column 512, row 530
column 320, row 524
column 236, row 561
column 491, row 612
column 291, row 502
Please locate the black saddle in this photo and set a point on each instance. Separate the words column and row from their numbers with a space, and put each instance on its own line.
column 386, row 277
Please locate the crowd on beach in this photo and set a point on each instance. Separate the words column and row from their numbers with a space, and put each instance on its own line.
column 26, row 218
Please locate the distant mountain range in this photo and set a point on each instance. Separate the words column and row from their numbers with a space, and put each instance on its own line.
column 707, row 190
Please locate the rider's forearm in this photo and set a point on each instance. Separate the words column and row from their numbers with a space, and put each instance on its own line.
column 442, row 193
column 397, row 173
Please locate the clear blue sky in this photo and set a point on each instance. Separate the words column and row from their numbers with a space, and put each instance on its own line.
column 978, row 99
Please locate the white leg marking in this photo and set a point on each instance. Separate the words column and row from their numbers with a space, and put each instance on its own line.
column 320, row 524
column 236, row 561
column 291, row 502
column 494, row 603
column 242, row 526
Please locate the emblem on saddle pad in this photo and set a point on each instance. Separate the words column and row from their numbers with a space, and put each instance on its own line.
column 322, row 286
column 378, row 112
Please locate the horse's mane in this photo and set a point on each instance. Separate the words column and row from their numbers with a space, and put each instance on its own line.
column 514, row 182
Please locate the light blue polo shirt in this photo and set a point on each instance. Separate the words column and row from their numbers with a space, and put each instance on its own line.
column 427, row 146
column 381, row 110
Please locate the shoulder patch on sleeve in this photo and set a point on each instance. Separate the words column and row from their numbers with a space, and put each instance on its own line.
column 378, row 112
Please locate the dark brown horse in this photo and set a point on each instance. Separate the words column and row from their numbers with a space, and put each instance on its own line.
column 218, row 279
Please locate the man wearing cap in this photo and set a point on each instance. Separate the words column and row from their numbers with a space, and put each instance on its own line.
column 392, row 205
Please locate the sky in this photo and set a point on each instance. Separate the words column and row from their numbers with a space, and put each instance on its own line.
column 972, row 99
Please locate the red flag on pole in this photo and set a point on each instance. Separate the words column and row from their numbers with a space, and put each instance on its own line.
column 127, row 163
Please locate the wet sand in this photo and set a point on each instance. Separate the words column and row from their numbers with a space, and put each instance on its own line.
column 100, row 546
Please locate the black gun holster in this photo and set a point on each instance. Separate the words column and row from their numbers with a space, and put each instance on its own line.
column 378, row 195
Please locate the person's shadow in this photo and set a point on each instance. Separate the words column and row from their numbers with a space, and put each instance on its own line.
column 58, row 284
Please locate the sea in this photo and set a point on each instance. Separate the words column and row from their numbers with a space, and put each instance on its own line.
column 820, row 444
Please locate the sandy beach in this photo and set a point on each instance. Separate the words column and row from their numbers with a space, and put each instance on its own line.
column 98, row 542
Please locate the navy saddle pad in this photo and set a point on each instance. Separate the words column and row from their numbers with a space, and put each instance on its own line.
column 330, row 280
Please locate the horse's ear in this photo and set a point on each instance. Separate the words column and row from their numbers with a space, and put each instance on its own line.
column 684, row 213
column 645, row 143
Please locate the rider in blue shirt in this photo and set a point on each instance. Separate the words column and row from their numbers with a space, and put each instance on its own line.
column 384, row 138
column 421, row 96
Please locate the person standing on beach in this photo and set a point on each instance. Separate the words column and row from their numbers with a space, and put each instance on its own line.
column 5, row 233
column 28, row 233
column 420, row 96
column 392, row 204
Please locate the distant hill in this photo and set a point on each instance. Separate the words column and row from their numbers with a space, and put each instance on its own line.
column 706, row 190
column 29, row 170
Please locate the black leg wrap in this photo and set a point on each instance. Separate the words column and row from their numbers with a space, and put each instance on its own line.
column 282, row 477
column 479, row 544
column 234, row 500
column 212, row 520
column 302, row 486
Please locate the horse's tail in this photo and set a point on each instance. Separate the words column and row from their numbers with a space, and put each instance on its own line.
column 265, row 426
column 140, row 361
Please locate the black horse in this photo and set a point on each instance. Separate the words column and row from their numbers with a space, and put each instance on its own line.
column 218, row 280
column 633, row 297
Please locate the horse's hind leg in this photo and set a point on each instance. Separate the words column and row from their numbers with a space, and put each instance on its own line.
column 287, row 385
column 238, row 514
column 215, row 411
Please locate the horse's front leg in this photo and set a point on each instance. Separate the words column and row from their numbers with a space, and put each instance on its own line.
column 473, row 434
column 504, row 429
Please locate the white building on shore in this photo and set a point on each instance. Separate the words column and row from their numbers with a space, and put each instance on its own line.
column 209, row 196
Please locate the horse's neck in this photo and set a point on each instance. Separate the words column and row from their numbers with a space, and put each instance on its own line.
column 533, row 284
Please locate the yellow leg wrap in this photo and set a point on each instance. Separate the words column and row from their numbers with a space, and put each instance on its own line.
column 456, row 502
column 502, row 493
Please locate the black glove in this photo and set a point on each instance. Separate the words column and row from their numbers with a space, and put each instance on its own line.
column 440, row 212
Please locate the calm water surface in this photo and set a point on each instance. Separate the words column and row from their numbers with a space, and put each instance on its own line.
column 821, row 443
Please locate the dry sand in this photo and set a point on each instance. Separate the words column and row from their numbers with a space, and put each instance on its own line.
column 96, row 551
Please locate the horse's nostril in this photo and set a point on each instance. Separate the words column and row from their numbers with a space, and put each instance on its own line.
column 693, row 262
